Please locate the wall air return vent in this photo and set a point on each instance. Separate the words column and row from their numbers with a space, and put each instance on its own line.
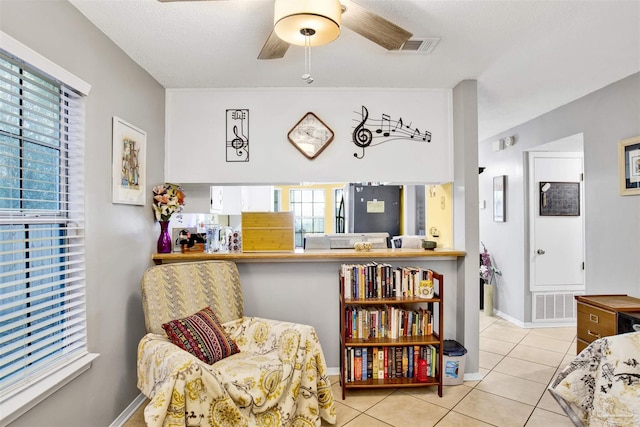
column 420, row 45
column 554, row 306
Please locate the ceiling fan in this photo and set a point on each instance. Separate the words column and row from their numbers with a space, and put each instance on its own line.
column 355, row 17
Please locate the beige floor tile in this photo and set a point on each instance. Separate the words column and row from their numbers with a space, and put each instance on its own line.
column 563, row 333
column 496, row 346
column 486, row 321
column 483, row 371
column 525, row 369
column 344, row 414
column 537, row 355
column 548, row 403
column 334, row 379
column 568, row 358
column 451, row 395
column 361, row 399
column 403, row 410
column 502, row 332
column 364, row 420
column 515, row 388
column 494, row 409
column 137, row 419
column 454, row 419
column 489, row 360
column 546, row 343
column 542, row 418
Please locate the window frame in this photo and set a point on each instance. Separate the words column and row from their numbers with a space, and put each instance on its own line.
column 44, row 382
column 300, row 233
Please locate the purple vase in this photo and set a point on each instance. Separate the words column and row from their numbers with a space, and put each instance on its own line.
column 164, row 240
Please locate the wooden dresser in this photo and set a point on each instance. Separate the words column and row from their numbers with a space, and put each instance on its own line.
column 597, row 316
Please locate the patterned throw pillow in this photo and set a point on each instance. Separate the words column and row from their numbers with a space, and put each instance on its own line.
column 202, row 335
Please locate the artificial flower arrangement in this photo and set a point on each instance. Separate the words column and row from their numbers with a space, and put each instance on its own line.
column 487, row 270
column 167, row 200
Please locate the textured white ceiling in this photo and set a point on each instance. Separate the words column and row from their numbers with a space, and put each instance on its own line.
column 529, row 57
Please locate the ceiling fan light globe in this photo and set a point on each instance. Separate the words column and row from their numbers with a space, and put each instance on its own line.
column 292, row 17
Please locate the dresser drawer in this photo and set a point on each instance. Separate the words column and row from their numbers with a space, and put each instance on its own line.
column 594, row 323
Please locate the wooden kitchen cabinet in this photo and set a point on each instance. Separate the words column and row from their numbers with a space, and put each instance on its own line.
column 597, row 316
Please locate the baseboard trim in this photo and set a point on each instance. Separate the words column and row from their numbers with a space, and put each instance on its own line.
column 333, row 371
column 129, row 411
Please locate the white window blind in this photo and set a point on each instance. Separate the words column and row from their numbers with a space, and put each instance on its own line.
column 42, row 261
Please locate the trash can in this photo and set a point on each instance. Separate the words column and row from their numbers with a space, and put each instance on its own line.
column 453, row 360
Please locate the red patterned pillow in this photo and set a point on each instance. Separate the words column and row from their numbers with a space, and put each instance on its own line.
column 202, row 335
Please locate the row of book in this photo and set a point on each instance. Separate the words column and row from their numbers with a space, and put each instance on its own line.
column 418, row 362
column 375, row 280
column 388, row 321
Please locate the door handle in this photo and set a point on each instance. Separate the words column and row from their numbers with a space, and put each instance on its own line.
column 540, row 252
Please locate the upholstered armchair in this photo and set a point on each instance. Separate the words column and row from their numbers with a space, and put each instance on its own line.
column 270, row 373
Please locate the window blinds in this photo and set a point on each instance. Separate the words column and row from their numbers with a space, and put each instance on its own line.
column 42, row 261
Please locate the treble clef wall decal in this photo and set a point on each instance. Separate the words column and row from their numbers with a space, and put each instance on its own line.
column 362, row 136
column 237, row 135
column 238, row 142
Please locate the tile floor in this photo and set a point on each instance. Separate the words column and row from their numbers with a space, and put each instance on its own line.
column 516, row 364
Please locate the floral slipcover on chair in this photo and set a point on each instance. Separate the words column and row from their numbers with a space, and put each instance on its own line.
column 278, row 378
column 601, row 386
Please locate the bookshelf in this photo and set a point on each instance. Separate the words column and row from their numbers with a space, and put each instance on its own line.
column 385, row 326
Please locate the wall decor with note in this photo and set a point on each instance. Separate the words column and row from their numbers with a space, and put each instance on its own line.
column 259, row 151
column 237, row 141
column 370, row 131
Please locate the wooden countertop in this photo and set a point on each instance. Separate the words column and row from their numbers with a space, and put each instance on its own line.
column 309, row 255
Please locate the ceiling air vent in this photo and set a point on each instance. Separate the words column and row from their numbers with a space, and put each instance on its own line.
column 423, row 45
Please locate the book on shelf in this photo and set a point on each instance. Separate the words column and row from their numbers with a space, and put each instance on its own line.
column 357, row 363
column 398, row 362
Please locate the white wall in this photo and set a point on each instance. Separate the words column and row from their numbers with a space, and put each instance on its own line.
column 196, row 132
column 120, row 238
column 612, row 235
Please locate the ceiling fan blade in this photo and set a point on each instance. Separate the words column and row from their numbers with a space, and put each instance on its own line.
column 274, row 47
column 374, row 27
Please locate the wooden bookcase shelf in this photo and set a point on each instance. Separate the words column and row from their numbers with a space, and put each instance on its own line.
column 433, row 340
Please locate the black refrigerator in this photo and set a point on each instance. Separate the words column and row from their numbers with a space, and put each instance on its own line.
column 372, row 208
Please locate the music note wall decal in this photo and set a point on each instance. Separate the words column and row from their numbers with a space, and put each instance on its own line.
column 386, row 129
column 362, row 136
column 237, row 139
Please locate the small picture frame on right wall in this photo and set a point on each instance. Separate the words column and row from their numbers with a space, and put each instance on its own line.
column 629, row 166
column 499, row 198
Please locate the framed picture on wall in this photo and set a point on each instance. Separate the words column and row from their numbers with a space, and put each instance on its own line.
column 629, row 166
column 499, row 198
column 128, row 163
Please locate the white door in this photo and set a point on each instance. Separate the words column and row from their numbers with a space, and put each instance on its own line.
column 556, row 215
